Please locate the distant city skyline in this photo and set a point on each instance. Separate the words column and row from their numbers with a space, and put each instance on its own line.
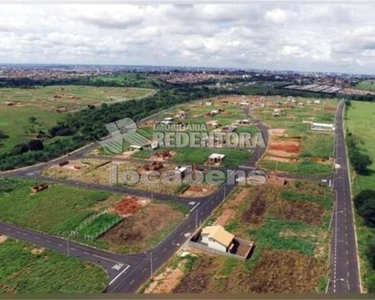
column 272, row 36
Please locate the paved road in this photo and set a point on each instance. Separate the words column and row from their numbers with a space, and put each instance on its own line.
column 344, row 260
column 113, row 263
column 126, row 272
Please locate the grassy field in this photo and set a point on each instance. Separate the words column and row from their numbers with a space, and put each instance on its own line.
column 313, row 152
column 366, row 85
column 60, row 209
column 302, row 168
column 57, row 210
column 25, row 268
column 289, row 225
column 359, row 121
column 43, row 103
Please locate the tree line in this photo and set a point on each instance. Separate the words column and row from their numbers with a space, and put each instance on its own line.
column 78, row 129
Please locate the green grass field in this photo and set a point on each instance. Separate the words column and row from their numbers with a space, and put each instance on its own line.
column 303, row 168
column 313, row 145
column 366, row 85
column 46, row 272
column 43, row 103
column 359, row 121
column 57, row 210
column 99, row 225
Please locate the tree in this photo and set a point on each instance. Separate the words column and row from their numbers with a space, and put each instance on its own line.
column 20, row 148
column 360, row 161
column 370, row 253
column 32, row 120
column 367, row 212
column 3, row 136
column 365, row 204
column 35, row 145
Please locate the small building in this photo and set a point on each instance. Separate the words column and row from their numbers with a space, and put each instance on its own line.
column 39, row 188
column 154, row 145
column 167, row 121
column 229, row 128
column 217, row 238
column 209, row 102
column 316, row 101
column 322, row 127
column 214, row 112
column 183, row 170
column 244, row 103
column 216, row 158
column 135, row 148
column 276, row 112
column 244, row 122
column 213, row 123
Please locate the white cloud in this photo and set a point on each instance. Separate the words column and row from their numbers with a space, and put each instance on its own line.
column 276, row 15
column 295, row 36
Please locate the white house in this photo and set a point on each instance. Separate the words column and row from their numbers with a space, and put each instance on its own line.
column 216, row 237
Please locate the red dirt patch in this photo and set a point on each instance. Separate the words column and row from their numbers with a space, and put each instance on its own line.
column 288, row 146
column 127, row 206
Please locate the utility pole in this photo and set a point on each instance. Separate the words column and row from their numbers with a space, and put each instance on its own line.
column 151, row 268
column 67, row 248
column 225, row 192
column 196, row 220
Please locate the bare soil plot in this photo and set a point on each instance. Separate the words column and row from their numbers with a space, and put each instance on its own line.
column 229, row 208
column 199, row 278
column 140, row 231
column 256, row 211
column 306, row 212
column 200, row 190
column 3, row 238
column 280, row 272
column 129, row 206
column 165, row 282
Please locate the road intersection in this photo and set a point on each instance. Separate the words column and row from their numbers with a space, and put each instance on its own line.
column 127, row 273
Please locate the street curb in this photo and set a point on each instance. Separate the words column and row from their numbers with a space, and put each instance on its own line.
column 351, row 197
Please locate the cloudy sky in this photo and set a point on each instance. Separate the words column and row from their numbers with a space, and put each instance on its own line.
column 308, row 37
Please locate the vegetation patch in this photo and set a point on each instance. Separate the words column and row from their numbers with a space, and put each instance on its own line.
column 144, row 229
column 56, row 210
column 26, row 271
